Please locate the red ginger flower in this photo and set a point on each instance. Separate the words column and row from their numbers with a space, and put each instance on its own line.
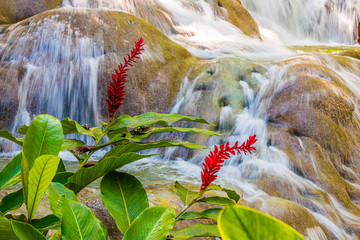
column 213, row 162
column 116, row 92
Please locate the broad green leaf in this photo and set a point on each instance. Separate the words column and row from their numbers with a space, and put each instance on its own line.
column 151, row 118
column 185, row 194
column 21, row 217
column 125, row 198
column 108, row 163
column 154, row 223
column 240, row 222
column 217, row 200
column 12, row 201
column 10, row 174
column 23, row 129
column 54, row 192
column 46, row 223
column 79, row 223
column 25, row 231
column 6, row 231
column 96, row 132
column 174, row 129
column 62, row 177
column 40, row 176
column 208, row 213
column 197, row 230
column 6, row 134
column 70, row 144
column 231, row 193
column 44, row 136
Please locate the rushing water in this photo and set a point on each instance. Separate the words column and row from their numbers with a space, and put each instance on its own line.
column 73, row 83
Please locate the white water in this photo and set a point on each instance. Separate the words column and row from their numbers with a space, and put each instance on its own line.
column 209, row 36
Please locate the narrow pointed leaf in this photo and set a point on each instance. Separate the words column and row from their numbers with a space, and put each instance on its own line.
column 197, row 230
column 56, row 236
column 46, row 223
column 125, row 198
column 12, row 201
column 6, row 230
column 208, row 213
column 10, row 174
column 217, row 200
column 62, row 177
column 174, row 129
column 231, row 193
column 54, row 192
column 6, row 134
column 71, row 127
column 40, row 176
column 154, row 223
column 25, row 231
column 240, row 222
column 79, row 223
column 185, row 194
column 151, row 118
column 108, row 163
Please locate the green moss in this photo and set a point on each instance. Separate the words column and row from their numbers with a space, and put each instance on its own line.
column 350, row 51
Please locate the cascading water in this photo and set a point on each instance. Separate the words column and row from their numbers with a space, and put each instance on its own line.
column 236, row 88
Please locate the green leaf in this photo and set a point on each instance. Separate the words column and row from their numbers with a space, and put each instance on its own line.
column 79, row 223
column 185, row 194
column 125, row 198
column 12, row 201
column 25, row 231
column 70, row 144
column 72, row 127
column 56, row 236
column 108, row 163
column 135, row 147
column 61, row 167
column 46, row 223
column 151, row 118
column 6, row 134
column 240, row 222
column 62, row 177
column 154, row 223
column 23, row 129
column 40, row 177
column 43, row 137
column 208, row 213
column 174, row 129
column 10, row 174
column 54, row 192
column 231, row 193
column 6, row 230
column 197, row 230
column 217, row 200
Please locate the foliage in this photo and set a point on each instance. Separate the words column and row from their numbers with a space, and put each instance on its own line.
column 40, row 170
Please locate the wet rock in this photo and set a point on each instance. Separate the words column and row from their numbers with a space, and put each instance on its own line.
column 15, row 11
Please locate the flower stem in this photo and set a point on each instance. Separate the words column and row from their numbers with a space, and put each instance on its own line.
column 190, row 204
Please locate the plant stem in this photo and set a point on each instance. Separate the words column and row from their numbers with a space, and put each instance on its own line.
column 190, row 204
column 96, row 143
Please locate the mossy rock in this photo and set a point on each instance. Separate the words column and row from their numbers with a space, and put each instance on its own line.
column 238, row 15
column 349, row 51
column 14, row 11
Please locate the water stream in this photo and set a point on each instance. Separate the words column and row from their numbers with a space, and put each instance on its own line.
column 65, row 89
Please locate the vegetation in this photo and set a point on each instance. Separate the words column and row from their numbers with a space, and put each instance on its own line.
column 40, row 171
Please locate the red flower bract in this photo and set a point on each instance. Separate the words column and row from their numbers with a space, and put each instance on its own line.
column 213, row 162
column 116, row 90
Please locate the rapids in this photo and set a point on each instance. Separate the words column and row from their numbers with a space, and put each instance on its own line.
column 286, row 175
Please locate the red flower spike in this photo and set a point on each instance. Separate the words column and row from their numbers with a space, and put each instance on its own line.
column 215, row 159
column 116, row 92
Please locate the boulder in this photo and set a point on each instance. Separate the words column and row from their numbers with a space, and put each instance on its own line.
column 14, row 11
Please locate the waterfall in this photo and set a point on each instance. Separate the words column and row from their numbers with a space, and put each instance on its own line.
column 234, row 85
column 306, row 21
